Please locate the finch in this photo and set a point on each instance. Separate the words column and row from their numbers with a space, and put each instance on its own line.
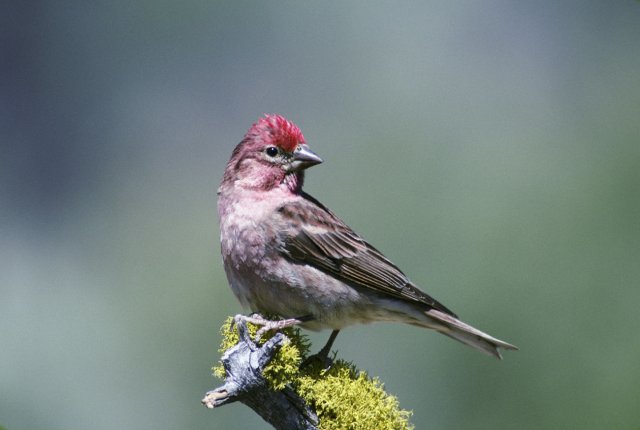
column 287, row 254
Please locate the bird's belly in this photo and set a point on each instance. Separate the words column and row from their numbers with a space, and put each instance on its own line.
column 264, row 281
column 305, row 291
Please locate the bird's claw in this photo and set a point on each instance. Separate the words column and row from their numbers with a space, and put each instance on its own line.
column 320, row 359
column 266, row 324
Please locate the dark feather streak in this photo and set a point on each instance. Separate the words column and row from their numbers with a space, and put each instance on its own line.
column 341, row 253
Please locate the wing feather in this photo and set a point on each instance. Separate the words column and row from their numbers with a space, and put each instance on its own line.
column 328, row 244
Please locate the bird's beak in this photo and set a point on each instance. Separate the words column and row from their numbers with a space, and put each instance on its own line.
column 304, row 157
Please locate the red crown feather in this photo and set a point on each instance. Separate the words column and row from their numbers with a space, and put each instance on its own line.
column 276, row 130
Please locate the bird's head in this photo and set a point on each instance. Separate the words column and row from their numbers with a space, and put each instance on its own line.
column 273, row 152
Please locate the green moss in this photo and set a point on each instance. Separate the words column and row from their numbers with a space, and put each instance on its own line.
column 285, row 365
column 342, row 396
column 345, row 398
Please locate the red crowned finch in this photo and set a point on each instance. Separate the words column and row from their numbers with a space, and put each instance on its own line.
column 285, row 253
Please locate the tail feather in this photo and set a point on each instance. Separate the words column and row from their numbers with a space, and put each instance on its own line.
column 456, row 329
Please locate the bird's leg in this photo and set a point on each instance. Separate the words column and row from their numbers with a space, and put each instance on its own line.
column 277, row 325
column 255, row 318
column 322, row 356
column 326, row 349
column 267, row 325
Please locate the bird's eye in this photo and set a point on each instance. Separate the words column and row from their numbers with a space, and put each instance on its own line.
column 272, row 151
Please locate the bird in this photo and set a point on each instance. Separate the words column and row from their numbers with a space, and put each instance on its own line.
column 285, row 253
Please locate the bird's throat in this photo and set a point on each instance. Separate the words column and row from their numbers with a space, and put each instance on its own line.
column 294, row 181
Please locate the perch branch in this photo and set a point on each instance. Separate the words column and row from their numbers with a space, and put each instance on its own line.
column 244, row 364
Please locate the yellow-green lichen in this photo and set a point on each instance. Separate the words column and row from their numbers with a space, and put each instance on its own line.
column 345, row 398
column 342, row 396
column 283, row 368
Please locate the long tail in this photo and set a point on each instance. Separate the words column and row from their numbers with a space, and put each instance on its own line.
column 468, row 335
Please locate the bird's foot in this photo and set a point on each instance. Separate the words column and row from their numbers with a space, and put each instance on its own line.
column 266, row 324
column 322, row 356
column 321, row 360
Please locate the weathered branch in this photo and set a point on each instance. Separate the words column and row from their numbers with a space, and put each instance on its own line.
column 244, row 364
column 291, row 390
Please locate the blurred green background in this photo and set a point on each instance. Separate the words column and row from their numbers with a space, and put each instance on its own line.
column 491, row 149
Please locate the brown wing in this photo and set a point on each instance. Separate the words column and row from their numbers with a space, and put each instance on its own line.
column 318, row 238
